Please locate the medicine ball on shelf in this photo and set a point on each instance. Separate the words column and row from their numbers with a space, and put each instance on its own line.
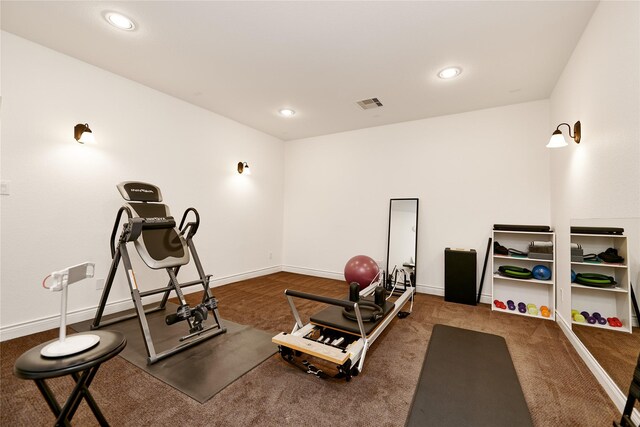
column 541, row 272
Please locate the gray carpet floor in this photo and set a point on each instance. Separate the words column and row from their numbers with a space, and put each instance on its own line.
column 558, row 388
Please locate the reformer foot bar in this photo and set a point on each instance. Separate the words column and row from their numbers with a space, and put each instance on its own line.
column 160, row 245
column 331, row 337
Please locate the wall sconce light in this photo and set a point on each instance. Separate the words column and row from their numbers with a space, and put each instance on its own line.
column 243, row 167
column 557, row 139
column 83, row 134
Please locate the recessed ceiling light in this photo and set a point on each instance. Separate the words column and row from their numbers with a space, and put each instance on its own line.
column 120, row 21
column 286, row 112
column 450, row 72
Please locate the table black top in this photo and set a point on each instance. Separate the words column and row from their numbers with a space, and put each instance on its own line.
column 33, row 366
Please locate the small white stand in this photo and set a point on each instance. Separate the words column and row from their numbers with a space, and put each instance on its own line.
column 66, row 346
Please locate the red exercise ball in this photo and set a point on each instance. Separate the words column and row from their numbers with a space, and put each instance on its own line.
column 362, row 270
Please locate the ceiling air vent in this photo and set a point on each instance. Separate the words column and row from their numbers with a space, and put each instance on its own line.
column 367, row 104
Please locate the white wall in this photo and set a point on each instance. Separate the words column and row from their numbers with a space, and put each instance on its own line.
column 598, row 181
column 600, row 86
column 469, row 171
column 63, row 197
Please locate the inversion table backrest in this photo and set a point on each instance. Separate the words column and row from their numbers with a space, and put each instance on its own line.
column 158, row 247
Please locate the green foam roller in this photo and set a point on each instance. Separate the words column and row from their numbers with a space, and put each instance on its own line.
column 595, row 279
column 515, row 272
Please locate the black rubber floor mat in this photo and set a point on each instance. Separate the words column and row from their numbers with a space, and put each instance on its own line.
column 201, row 371
column 468, row 379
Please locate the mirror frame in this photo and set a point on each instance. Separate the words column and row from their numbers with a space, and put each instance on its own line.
column 415, row 252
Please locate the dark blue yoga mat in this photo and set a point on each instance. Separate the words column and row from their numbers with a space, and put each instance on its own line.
column 468, row 379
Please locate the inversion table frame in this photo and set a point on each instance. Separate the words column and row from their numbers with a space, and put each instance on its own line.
column 350, row 358
column 131, row 232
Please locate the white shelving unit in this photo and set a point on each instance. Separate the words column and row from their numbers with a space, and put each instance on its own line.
column 609, row 302
column 528, row 291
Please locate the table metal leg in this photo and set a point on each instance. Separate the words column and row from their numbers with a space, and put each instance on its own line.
column 91, row 373
column 50, row 399
column 79, row 391
column 63, row 416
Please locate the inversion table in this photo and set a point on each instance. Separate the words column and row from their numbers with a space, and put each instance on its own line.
column 160, row 245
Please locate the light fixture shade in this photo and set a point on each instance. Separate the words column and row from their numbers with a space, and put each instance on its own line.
column 243, row 168
column 83, row 134
column 557, row 140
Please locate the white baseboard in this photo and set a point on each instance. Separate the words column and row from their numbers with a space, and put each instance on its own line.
column 422, row 289
column 439, row 291
column 242, row 276
column 313, row 272
column 51, row 322
column 617, row 396
column 430, row 290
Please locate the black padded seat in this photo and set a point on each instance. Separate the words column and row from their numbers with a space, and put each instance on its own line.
column 331, row 317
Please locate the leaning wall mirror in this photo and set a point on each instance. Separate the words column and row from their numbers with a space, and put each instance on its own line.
column 402, row 242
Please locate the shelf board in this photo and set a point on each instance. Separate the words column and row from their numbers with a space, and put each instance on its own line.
column 622, row 328
column 523, row 258
column 594, row 288
column 546, row 282
column 517, row 313
column 599, row 264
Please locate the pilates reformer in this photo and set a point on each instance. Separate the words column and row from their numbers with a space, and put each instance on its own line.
column 160, row 244
column 342, row 333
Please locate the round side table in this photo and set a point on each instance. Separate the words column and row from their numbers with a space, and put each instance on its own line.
column 81, row 366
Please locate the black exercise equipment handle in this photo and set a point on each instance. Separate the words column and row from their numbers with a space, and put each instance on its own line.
column 172, row 318
column 134, row 229
column 115, row 227
column 192, row 225
column 158, row 223
column 319, row 298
